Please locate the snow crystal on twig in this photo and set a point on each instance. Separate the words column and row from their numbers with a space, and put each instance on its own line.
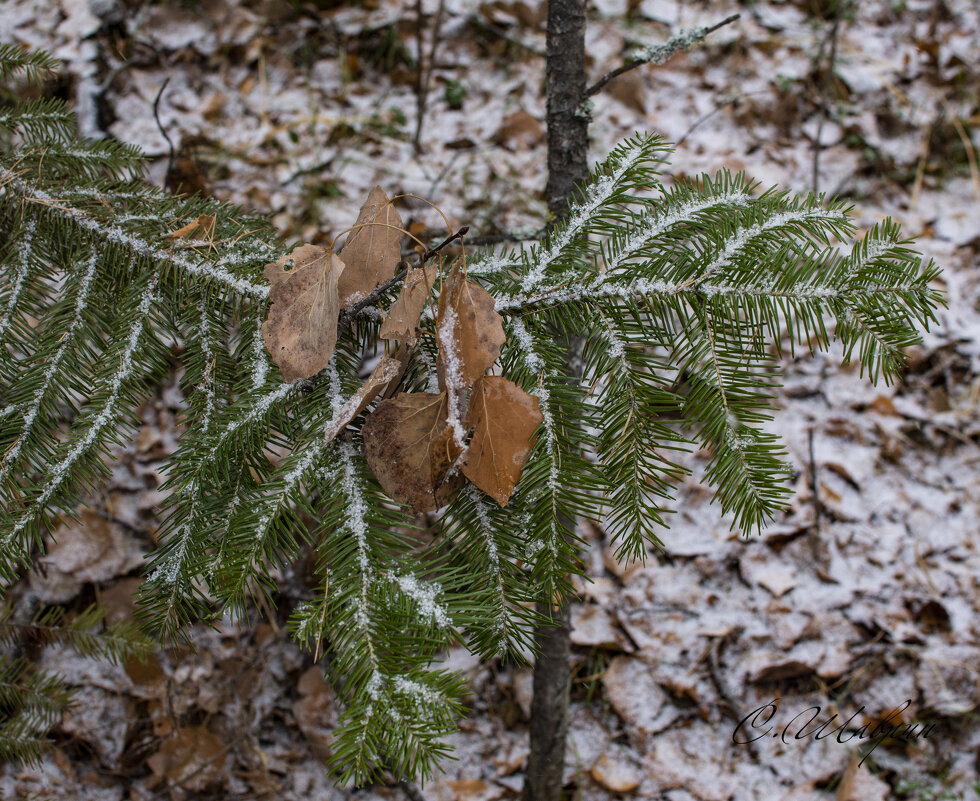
column 260, row 357
column 523, row 337
column 112, row 233
column 493, row 555
column 127, row 365
column 207, row 377
column 454, row 372
column 67, row 341
column 596, row 194
column 658, row 225
column 658, row 54
column 23, row 268
column 424, row 593
column 260, row 408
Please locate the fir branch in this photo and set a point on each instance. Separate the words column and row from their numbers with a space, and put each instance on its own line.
column 24, row 266
column 90, row 432
column 37, row 65
column 115, row 643
column 137, row 246
column 40, row 119
column 51, row 370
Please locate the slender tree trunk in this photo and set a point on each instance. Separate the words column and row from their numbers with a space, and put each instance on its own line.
column 568, row 127
column 568, row 167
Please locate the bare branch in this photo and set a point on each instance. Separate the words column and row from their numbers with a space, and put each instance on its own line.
column 658, row 54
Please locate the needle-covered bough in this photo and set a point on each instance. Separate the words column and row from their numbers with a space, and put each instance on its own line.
column 471, row 414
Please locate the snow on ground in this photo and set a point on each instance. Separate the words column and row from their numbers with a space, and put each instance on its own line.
column 865, row 594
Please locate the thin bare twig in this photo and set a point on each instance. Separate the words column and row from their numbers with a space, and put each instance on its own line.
column 732, row 101
column 970, row 155
column 639, row 62
column 352, row 311
column 920, row 170
column 497, row 239
column 424, row 77
column 827, row 84
column 156, row 116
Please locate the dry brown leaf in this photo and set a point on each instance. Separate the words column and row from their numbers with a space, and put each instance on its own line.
column 371, row 253
column 635, row 695
column 301, row 330
column 82, row 544
column 192, row 758
column 316, row 712
column 148, row 677
column 519, row 131
column 860, row 785
column 389, row 371
column 469, row 330
column 504, row 418
column 616, row 773
column 409, row 447
column 474, row 790
column 205, row 222
column 403, row 316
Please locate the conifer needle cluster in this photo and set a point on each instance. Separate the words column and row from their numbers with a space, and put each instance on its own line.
column 682, row 294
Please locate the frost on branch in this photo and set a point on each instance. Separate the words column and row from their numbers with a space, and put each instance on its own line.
column 387, row 374
column 470, row 332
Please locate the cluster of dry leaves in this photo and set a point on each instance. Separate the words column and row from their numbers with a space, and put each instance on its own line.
column 419, row 445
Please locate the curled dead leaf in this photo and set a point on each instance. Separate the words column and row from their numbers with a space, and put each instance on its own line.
column 469, row 330
column 616, row 773
column 504, row 419
column 316, row 712
column 409, row 447
column 204, row 221
column 300, row 332
column 372, row 252
column 192, row 758
column 403, row 316
column 388, row 372
column 519, row 131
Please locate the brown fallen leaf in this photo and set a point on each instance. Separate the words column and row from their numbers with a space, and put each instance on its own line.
column 469, row 332
column 474, row 790
column 205, row 222
column 860, row 785
column 504, row 419
column 630, row 90
column 409, row 447
column 316, row 712
column 301, row 330
column 192, row 758
column 371, row 253
column 388, row 371
column 79, row 545
column 519, row 131
column 616, row 773
column 635, row 695
column 403, row 316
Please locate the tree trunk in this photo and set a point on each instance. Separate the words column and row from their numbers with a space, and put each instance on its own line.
column 568, row 167
column 568, row 127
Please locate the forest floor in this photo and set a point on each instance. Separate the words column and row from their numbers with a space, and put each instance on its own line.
column 865, row 594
